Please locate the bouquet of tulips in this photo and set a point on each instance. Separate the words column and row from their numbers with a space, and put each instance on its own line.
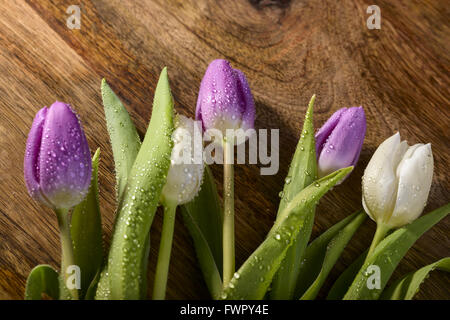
column 163, row 169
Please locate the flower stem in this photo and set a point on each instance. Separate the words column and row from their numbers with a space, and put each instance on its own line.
column 380, row 233
column 165, row 247
column 67, row 258
column 228, row 217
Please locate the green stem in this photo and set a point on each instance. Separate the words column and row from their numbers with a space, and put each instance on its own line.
column 228, row 217
column 380, row 233
column 67, row 258
column 165, row 247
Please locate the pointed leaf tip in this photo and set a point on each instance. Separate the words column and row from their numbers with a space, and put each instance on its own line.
column 302, row 172
column 164, row 73
column 312, row 100
column 96, row 154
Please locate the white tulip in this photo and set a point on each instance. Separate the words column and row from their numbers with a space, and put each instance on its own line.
column 185, row 174
column 397, row 181
column 182, row 185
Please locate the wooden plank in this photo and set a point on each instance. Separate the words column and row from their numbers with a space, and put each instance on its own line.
column 288, row 49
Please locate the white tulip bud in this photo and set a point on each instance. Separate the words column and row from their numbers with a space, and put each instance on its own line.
column 186, row 170
column 397, row 181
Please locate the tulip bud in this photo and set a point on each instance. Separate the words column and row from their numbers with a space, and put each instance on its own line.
column 57, row 164
column 340, row 139
column 397, row 181
column 185, row 174
column 225, row 100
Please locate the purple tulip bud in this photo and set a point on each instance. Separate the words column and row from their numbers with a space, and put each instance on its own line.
column 225, row 100
column 57, row 165
column 339, row 141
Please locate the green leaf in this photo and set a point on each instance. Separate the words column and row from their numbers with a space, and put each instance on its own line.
column 125, row 141
column 344, row 281
column 302, row 172
column 303, row 167
column 90, row 293
column 255, row 276
column 322, row 254
column 315, row 252
column 42, row 280
column 86, row 231
column 123, row 277
column 406, row 287
column 203, row 219
column 389, row 252
column 125, row 144
column 144, row 267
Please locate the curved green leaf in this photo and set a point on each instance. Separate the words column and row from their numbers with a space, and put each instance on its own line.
column 203, row 219
column 314, row 255
column 86, row 231
column 144, row 266
column 340, row 287
column 389, row 252
column 322, row 254
column 42, row 281
column 406, row 287
column 90, row 293
column 302, row 172
column 123, row 277
column 125, row 141
column 255, row 275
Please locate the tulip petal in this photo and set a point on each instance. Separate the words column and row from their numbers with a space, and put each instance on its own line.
column 325, row 131
column 343, row 146
column 414, row 173
column 247, row 105
column 218, row 105
column 225, row 101
column 185, row 176
column 379, row 181
column 31, row 161
column 65, row 161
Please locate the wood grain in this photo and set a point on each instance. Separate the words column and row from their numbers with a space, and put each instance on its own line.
column 288, row 49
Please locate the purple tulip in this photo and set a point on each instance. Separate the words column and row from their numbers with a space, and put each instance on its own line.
column 339, row 141
column 57, row 165
column 225, row 100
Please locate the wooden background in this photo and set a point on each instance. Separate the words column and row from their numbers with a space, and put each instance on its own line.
column 288, row 49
